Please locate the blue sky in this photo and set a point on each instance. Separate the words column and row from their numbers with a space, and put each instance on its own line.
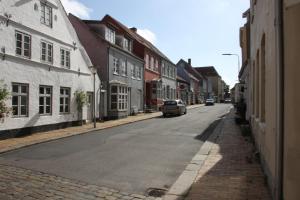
column 198, row 29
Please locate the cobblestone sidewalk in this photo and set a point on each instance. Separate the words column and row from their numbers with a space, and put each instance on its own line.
column 230, row 171
column 22, row 184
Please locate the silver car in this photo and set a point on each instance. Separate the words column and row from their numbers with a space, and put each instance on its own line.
column 173, row 107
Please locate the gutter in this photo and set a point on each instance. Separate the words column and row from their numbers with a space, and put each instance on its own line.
column 280, row 104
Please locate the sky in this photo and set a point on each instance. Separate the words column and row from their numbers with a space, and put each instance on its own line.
column 198, row 29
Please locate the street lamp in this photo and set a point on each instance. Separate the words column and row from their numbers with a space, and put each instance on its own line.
column 94, row 71
column 238, row 57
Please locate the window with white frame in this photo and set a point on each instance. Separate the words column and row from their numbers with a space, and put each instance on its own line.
column 123, row 68
column 46, row 52
column 147, row 61
column 156, row 65
column 116, row 66
column 127, row 45
column 20, row 100
column 119, row 98
column 23, row 44
column 65, row 58
column 45, row 100
column 46, row 14
column 152, row 63
column 133, row 71
column 138, row 72
column 110, row 35
column 64, row 100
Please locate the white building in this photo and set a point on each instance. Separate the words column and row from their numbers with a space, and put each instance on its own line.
column 43, row 64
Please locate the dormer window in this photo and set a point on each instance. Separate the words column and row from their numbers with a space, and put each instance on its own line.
column 110, row 35
column 127, row 44
column 46, row 14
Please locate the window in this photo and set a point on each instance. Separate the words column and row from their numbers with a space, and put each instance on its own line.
column 119, row 98
column 127, row 44
column 45, row 107
column 147, row 61
column 152, row 63
column 156, row 65
column 20, row 100
column 133, row 71
column 47, row 52
column 110, row 35
column 116, row 66
column 46, row 14
column 123, row 68
column 23, row 44
column 64, row 100
column 163, row 69
column 65, row 58
column 138, row 72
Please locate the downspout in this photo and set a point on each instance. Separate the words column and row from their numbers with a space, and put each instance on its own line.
column 107, row 85
column 280, row 103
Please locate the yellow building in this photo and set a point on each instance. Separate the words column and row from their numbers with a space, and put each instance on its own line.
column 269, row 74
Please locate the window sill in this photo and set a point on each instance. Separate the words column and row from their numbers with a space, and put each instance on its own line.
column 116, row 74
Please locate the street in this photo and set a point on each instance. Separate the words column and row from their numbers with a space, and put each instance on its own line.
column 129, row 158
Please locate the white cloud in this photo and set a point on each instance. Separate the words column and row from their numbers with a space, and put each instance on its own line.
column 77, row 8
column 148, row 35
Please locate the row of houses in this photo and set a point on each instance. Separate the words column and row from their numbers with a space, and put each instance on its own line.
column 269, row 76
column 47, row 57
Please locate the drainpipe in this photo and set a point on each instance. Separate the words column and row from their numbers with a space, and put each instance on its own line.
column 280, row 104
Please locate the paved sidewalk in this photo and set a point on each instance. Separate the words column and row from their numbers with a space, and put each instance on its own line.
column 230, row 171
column 15, row 143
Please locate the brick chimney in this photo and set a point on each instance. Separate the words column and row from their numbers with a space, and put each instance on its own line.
column 133, row 29
column 190, row 61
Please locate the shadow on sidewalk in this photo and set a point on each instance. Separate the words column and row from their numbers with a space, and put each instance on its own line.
column 231, row 171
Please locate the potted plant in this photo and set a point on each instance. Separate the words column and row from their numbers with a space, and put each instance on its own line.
column 80, row 101
column 4, row 95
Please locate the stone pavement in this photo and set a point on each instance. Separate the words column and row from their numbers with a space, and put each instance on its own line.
column 15, row 143
column 230, row 171
column 23, row 184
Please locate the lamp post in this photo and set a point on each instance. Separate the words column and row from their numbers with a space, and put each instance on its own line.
column 94, row 71
column 238, row 57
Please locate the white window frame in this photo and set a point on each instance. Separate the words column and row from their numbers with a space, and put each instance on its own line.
column 121, row 94
column 65, row 58
column 48, row 52
column 46, row 14
column 44, row 97
column 66, row 100
column 22, row 48
column 147, row 61
column 116, row 66
column 110, row 35
column 19, row 96
column 123, row 68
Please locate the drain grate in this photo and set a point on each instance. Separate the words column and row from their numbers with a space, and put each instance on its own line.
column 156, row 192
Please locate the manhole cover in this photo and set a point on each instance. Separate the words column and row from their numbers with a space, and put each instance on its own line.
column 156, row 192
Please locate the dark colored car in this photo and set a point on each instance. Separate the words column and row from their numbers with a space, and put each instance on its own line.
column 173, row 107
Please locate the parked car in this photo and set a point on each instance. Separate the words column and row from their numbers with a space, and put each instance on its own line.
column 173, row 107
column 209, row 102
column 227, row 100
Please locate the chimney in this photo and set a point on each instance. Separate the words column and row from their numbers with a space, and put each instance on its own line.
column 190, row 61
column 133, row 29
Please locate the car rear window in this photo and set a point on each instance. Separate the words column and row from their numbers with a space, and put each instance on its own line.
column 170, row 103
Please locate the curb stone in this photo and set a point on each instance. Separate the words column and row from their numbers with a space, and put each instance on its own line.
column 182, row 185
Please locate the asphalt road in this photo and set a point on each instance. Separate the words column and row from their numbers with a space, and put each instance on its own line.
column 130, row 158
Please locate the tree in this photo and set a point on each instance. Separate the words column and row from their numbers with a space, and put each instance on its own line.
column 81, row 101
column 4, row 95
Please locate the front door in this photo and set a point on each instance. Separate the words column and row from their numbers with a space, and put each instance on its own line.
column 89, row 106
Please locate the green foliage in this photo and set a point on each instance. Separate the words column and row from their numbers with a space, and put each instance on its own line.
column 4, row 95
column 80, row 99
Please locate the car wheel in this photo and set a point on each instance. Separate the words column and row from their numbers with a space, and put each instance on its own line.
column 164, row 115
column 185, row 112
